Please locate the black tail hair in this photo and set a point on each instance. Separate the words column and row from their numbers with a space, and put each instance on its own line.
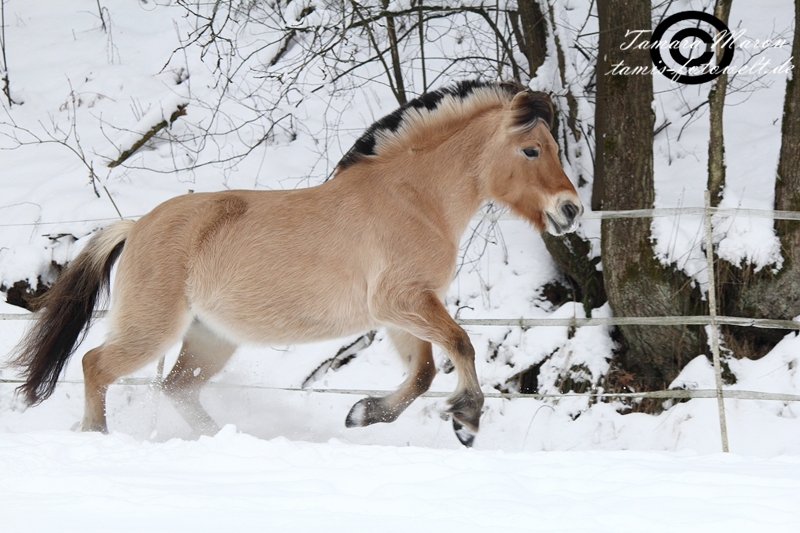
column 65, row 313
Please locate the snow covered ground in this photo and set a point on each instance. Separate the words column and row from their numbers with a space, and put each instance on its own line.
column 286, row 461
column 57, row 481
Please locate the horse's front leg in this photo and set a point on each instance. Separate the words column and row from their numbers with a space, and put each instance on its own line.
column 424, row 316
column 417, row 354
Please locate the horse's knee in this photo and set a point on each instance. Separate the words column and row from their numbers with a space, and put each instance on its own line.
column 424, row 376
column 462, row 354
column 462, row 346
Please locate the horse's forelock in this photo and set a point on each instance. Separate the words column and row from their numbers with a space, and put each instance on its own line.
column 531, row 108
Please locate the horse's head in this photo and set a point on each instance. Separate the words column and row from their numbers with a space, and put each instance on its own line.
column 522, row 169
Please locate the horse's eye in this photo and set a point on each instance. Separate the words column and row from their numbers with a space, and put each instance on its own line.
column 531, row 152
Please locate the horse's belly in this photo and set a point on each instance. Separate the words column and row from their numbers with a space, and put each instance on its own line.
column 276, row 320
column 282, row 276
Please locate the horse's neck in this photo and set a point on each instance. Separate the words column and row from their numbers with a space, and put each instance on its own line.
column 447, row 174
column 437, row 172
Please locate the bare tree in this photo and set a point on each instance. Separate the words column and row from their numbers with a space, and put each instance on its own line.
column 6, row 81
column 630, row 267
column 600, row 129
column 768, row 293
column 336, row 48
column 530, row 31
column 716, row 103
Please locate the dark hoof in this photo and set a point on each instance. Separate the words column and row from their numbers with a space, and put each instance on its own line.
column 369, row 411
column 355, row 418
column 464, row 434
column 466, row 411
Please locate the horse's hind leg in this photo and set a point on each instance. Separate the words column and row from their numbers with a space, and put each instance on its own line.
column 202, row 355
column 421, row 370
column 423, row 315
column 112, row 360
column 138, row 333
column 95, row 383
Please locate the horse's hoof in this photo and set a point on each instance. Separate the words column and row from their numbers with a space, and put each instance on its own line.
column 464, row 433
column 357, row 415
column 466, row 411
column 370, row 411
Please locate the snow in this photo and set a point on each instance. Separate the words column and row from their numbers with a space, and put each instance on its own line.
column 237, row 482
column 284, row 459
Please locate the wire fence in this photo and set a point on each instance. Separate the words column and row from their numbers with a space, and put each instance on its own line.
column 504, row 215
column 712, row 319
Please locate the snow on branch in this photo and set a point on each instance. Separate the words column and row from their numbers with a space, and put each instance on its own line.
column 151, row 123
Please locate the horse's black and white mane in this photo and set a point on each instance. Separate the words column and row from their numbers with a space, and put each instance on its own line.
column 539, row 107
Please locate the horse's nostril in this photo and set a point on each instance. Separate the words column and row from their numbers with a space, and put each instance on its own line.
column 569, row 210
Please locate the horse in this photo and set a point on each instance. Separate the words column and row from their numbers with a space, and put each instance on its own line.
column 374, row 246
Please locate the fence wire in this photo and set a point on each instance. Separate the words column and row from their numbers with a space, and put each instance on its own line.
column 505, row 215
column 670, row 394
column 710, row 320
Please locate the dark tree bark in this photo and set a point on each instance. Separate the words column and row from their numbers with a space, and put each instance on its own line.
column 600, row 106
column 531, row 34
column 400, row 91
column 636, row 283
column 764, row 294
column 421, row 32
column 716, row 102
column 6, row 81
column 571, row 253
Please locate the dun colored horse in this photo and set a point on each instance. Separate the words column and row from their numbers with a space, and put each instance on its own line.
column 375, row 246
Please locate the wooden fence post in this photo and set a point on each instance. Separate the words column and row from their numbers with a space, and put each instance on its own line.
column 713, row 330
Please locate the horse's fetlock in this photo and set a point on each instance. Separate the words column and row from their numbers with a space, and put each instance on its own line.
column 466, row 406
column 98, row 426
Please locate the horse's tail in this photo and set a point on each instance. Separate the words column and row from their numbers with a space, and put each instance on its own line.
column 65, row 313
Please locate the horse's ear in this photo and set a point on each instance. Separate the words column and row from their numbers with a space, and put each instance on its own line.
column 529, row 107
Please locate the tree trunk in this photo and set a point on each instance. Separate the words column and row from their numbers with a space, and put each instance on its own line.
column 400, row 93
column 421, row 32
column 6, row 81
column 600, row 106
column 716, row 102
column 636, row 283
column 533, row 42
column 764, row 294
column 571, row 252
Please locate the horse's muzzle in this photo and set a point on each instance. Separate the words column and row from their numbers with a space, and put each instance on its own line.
column 565, row 219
